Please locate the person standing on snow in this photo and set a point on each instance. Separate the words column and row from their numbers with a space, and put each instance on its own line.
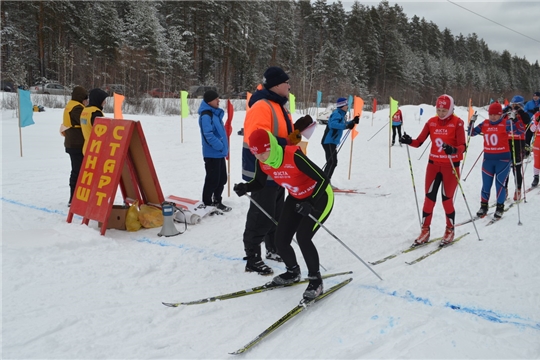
column 74, row 139
column 215, row 148
column 447, row 135
column 532, row 106
column 333, row 133
column 310, row 193
column 497, row 158
column 397, row 121
column 535, row 128
column 267, row 111
column 520, row 121
column 96, row 101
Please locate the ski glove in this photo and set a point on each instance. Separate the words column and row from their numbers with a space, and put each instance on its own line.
column 405, row 139
column 295, row 137
column 449, row 150
column 240, row 189
column 303, row 123
column 527, row 151
column 350, row 124
column 473, row 118
column 356, row 119
column 304, row 208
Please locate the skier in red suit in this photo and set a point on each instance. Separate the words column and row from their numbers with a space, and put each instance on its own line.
column 447, row 134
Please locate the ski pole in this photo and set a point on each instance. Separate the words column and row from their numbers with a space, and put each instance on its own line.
column 465, row 179
column 429, row 143
column 463, row 193
column 515, row 168
column 342, row 243
column 414, row 187
column 378, row 131
column 271, row 218
column 527, row 163
column 471, row 125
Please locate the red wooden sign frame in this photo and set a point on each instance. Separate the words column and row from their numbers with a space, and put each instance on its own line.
column 117, row 155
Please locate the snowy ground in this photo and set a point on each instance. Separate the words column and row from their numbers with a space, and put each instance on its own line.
column 70, row 293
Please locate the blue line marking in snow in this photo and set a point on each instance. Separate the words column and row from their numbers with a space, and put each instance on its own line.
column 59, row 212
column 409, row 296
column 496, row 317
column 184, row 247
column 488, row 315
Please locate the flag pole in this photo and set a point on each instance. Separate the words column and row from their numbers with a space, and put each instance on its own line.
column 390, row 136
column 20, row 131
column 350, row 158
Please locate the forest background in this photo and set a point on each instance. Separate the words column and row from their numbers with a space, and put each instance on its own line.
column 369, row 51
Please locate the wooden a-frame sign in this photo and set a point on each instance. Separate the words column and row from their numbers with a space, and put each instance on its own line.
column 116, row 155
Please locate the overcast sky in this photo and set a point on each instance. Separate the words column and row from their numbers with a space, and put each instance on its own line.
column 512, row 25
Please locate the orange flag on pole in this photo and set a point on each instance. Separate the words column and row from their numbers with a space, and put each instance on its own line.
column 471, row 111
column 358, row 105
column 118, row 101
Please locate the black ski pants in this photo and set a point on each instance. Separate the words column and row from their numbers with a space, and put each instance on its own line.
column 394, row 130
column 259, row 227
column 305, row 228
column 76, row 156
column 214, row 181
column 331, row 159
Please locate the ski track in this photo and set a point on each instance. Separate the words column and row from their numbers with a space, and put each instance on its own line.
column 486, row 314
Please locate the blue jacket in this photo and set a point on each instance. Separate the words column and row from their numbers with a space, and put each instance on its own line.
column 213, row 134
column 335, row 127
column 530, row 105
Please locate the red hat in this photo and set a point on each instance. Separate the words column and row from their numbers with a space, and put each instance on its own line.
column 446, row 102
column 259, row 141
column 495, row 109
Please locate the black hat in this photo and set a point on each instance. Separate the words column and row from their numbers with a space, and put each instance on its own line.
column 79, row 94
column 96, row 97
column 536, row 93
column 274, row 76
column 210, row 95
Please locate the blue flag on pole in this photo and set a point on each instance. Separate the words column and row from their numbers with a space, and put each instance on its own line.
column 350, row 101
column 319, row 98
column 26, row 110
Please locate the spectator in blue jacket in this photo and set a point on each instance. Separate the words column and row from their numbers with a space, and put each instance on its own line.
column 215, row 148
column 532, row 106
column 333, row 133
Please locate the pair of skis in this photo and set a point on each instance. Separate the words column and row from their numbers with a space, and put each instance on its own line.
column 304, row 304
column 412, row 248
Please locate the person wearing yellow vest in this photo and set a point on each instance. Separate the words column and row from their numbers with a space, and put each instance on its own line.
column 73, row 137
column 310, row 197
column 96, row 101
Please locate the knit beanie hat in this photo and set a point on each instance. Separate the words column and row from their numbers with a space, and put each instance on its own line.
column 210, row 95
column 274, row 76
column 445, row 102
column 341, row 102
column 259, row 141
column 79, row 94
column 518, row 99
column 537, row 93
column 96, row 97
column 495, row 109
